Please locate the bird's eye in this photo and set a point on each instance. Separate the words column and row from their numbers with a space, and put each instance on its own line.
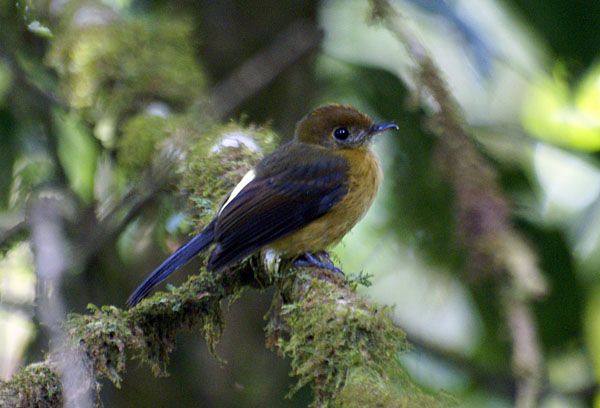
column 341, row 133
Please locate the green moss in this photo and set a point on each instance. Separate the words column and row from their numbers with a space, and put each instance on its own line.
column 344, row 348
column 341, row 346
column 217, row 162
column 112, row 68
column 149, row 330
column 360, row 279
column 103, row 335
column 138, row 143
column 331, row 336
column 35, row 386
column 157, row 320
column 106, row 334
column 366, row 388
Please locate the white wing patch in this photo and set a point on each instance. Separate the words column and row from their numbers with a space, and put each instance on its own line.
column 243, row 183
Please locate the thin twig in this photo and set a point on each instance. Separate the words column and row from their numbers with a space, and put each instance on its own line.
column 9, row 234
column 495, row 248
column 298, row 40
column 527, row 356
column 497, row 382
column 22, row 79
column 120, row 216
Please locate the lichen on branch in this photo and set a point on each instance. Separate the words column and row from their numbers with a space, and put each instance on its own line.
column 345, row 348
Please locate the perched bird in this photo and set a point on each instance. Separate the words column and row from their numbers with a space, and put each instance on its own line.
column 298, row 201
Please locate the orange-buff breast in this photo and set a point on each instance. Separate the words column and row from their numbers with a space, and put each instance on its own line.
column 364, row 178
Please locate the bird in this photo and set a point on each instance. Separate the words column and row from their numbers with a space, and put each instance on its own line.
column 296, row 202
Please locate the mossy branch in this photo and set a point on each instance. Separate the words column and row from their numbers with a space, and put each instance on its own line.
column 340, row 345
column 343, row 347
column 107, row 335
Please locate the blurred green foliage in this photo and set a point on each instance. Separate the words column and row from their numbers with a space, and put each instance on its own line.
column 76, row 142
column 138, row 144
column 572, row 119
column 116, row 62
column 96, row 105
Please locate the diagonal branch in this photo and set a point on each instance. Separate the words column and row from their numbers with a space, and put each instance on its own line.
column 338, row 342
column 293, row 44
column 16, row 228
column 495, row 249
column 112, row 224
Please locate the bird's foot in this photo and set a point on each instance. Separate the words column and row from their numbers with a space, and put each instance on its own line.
column 320, row 259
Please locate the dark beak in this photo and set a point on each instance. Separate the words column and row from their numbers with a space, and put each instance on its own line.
column 382, row 127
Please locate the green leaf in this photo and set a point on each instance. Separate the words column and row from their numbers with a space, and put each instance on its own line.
column 5, row 81
column 78, row 154
column 549, row 113
column 7, row 154
column 37, row 28
column 592, row 327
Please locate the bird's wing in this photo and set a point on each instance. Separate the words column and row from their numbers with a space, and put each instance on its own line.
column 278, row 201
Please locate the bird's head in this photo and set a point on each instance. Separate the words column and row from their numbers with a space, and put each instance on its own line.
column 339, row 127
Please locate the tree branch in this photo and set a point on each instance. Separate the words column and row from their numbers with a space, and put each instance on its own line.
column 495, row 249
column 496, row 381
column 298, row 40
column 312, row 307
column 51, row 260
column 345, row 348
column 112, row 223
column 16, row 228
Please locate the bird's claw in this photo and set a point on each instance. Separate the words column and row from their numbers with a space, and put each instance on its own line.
column 308, row 259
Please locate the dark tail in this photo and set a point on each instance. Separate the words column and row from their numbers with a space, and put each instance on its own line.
column 172, row 263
